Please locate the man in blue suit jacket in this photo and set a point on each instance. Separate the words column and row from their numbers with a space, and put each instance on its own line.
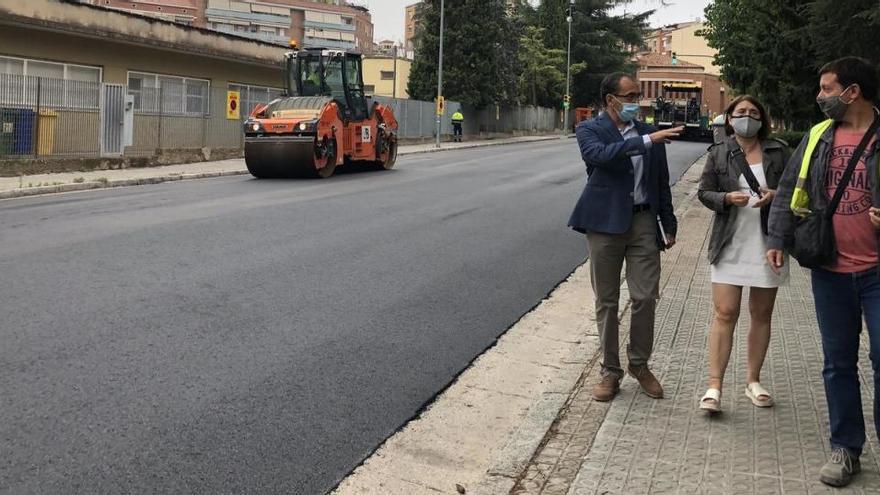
column 626, row 198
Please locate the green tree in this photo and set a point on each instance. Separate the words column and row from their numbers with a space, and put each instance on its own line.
column 501, row 51
column 773, row 48
column 599, row 45
column 837, row 29
column 551, row 18
column 520, row 17
column 542, row 82
column 763, row 50
column 480, row 66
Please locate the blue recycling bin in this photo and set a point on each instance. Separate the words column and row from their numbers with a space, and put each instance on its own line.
column 17, row 128
column 23, row 134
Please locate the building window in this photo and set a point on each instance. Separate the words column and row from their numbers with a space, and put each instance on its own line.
column 178, row 95
column 50, row 84
column 386, row 75
column 252, row 96
column 312, row 16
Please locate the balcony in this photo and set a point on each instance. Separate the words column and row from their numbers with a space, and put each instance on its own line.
column 217, row 15
column 325, row 43
column 267, row 37
column 324, row 25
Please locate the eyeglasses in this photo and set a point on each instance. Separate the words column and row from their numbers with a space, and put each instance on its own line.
column 629, row 97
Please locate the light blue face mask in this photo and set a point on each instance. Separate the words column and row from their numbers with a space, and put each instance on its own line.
column 628, row 112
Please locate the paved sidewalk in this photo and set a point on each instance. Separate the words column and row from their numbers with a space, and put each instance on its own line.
column 31, row 185
column 639, row 445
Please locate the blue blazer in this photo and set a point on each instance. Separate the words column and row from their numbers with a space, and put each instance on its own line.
column 606, row 204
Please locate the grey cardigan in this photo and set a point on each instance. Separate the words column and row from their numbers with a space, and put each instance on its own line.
column 720, row 177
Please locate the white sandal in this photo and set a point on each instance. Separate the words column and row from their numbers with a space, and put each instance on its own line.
column 711, row 401
column 755, row 392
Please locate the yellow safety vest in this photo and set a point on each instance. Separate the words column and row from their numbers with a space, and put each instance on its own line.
column 800, row 199
column 457, row 116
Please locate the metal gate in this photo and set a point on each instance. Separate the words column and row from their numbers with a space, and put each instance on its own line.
column 112, row 119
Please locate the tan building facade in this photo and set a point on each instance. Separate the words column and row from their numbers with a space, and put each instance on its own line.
column 175, row 77
column 116, row 44
column 685, row 41
column 384, row 77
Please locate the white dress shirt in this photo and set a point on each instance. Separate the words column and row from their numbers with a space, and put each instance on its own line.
column 640, row 192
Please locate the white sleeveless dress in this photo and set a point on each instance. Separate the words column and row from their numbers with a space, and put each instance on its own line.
column 743, row 260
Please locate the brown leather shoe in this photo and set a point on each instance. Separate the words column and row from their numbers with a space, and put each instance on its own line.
column 607, row 388
column 647, row 381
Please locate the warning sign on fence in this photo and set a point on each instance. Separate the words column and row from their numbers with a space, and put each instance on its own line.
column 233, row 105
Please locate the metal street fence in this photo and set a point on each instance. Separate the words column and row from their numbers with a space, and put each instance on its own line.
column 60, row 118
column 418, row 119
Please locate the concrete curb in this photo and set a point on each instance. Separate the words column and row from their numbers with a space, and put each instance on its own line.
column 482, row 430
column 85, row 186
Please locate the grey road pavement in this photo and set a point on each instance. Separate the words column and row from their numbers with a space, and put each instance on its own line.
column 235, row 335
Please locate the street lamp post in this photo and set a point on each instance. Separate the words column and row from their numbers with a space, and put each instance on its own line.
column 394, row 84
column 568, row 69
column 440, row 76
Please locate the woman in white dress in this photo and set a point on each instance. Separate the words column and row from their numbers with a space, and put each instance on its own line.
column 739, row 183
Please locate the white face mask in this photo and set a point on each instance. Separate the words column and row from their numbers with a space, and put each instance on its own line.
column 746, row 126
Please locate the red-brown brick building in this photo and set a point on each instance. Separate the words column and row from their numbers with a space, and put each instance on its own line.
column 656, row 68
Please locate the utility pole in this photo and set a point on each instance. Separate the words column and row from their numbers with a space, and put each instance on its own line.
column 440, row 76
column 567, row 103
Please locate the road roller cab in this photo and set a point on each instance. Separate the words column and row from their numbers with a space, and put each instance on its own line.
column 323, row 121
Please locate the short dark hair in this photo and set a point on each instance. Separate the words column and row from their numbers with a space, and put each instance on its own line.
column 764, row 131
column 854, row 70
column 611, row 84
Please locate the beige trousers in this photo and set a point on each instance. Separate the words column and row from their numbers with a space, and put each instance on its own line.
column 638, row 247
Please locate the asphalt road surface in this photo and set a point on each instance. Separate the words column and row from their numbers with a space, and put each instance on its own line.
column 237, row 335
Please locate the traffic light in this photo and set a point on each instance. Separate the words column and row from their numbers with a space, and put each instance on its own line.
column 674, row 58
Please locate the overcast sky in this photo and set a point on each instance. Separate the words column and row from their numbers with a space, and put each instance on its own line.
column 388, row 15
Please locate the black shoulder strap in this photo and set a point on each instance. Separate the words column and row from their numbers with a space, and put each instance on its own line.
column 738, row 158
column 850, row 169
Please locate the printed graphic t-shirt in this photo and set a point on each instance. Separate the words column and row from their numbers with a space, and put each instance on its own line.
column 855, row 234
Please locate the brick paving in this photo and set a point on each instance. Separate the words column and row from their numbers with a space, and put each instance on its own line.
column 640, row 445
